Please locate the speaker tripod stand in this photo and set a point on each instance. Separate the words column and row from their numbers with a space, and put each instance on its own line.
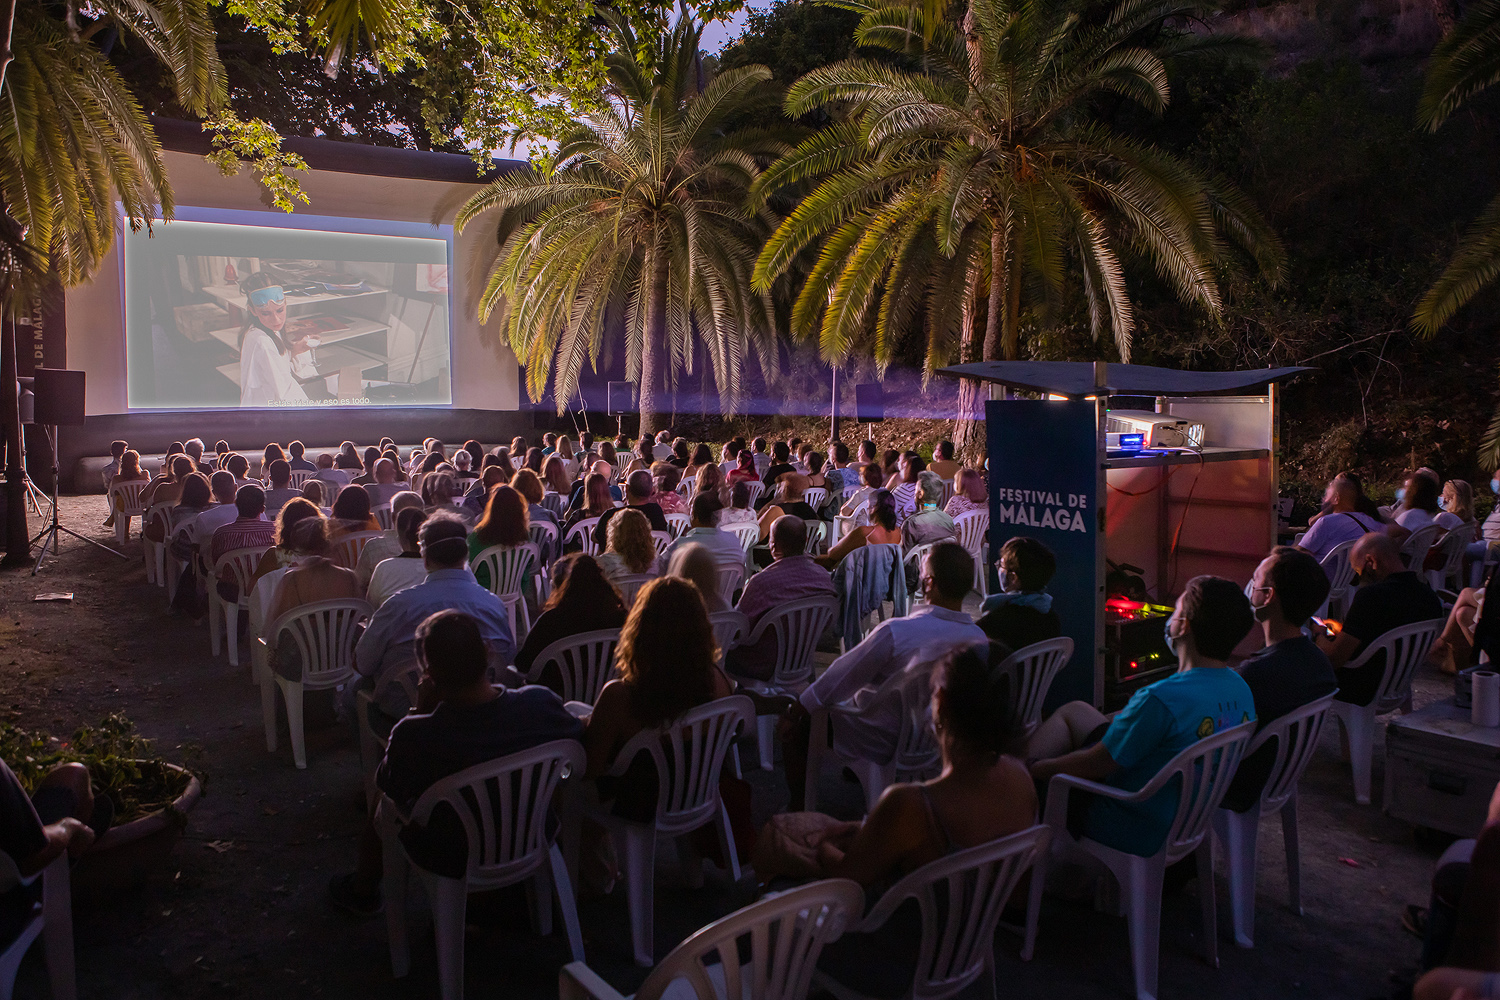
column 49, row 534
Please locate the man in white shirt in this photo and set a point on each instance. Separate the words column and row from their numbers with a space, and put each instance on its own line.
column 338, row 478
column 388, row 545
column 406, row 568
column 1340, row 523
column 662, row 449
column 762, row 460
column 724, row 547
column 862, row 724
column 200, row 530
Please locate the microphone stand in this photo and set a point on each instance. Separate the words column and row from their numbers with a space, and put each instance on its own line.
column 49, row 534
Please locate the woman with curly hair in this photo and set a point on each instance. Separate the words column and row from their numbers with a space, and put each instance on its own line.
column 630, row 549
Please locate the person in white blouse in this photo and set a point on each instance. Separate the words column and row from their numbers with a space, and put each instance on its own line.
column 272, row 369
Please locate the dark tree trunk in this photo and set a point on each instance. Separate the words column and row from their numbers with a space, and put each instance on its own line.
column 654, row 334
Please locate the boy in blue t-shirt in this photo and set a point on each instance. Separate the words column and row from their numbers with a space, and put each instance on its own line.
column 1161, row 720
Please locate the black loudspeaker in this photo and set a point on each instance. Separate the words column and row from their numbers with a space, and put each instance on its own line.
column 869, row 403
column 27, row 400
column 621, row 398
column 59, row 397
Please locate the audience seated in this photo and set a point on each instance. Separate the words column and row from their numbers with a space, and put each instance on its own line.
column 272, row 453
column 405, row 569
column 861, row 726
column 781, row 464
column 759, row 458
column 788, row 500
column 1461, row 939
column 1160, row 721
column 281, row 554
column 667, row 477
column 1020, row 612
column 280, row 492
column 1418, row 506
column 970, row 493
column 943, row 462
column 130, row 471
column 296, row 452
column 117, row 450
column 311, row 577
column 1342, row 519
column 387, row 640
column 316, row 491
column 722, row 546
column 1287, row 588
column 702, row 458
column 630, row 549
column 63, row 815
column 582, row 600
column 386, row 484
column 744, row 470
column 388, row 545
column 351, row 513
column 336, row 478
column 506, row 521
column 881, row 529
column 792, row 576
column 872, row 478
column 738, row 511
column 167, row 487
column 593, row 499
column 983, row 793
column 478, row 496
column 459, row 721
column 639, row 489
column 928, row 523
column 249, row 530
column 196, row 498
column 711, row 480
column 529, row 486
column 696, row 564
column 903, row 485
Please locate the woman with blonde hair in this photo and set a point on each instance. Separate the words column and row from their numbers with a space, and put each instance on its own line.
column 969, row 493
column 568, row 456
column 695, row 564
column 631, row 549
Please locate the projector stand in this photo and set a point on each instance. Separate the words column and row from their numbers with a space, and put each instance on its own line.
column 48, row 535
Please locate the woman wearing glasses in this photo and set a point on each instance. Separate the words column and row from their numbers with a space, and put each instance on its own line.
column 272, row 368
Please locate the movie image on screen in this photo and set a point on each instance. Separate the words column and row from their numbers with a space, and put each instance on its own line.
column 231, row 315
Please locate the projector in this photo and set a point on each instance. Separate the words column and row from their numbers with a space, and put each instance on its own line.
column 1159, row 430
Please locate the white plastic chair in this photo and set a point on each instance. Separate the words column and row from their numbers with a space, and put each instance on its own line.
column 1405, row 648
column 125, row 502
column 797, row 626
column 917, row 756
column 817, row 536
column 687, row 485
column 1414, row 550
column 815, row 496
column 912, row 560
column 503, row 805
column 782, row 934
column 1340, row 573
column 957, row 948
column 756, row 488
column 544, row 536
column 663, row 541
column 223, row 617
column 300, row 478
column 1033, row 669
column 324, row 635
column 1205, row 770
column 383, row 516
column 372, row 744
column 973, row 534
column 584, row 661
column 677, row 524
column 729, row 628
column 688, row 754
column 51, row 920
column 748, row 533
column 731, row 575
column 346, row 548
column 556, row 503
column 630, row 584
column 506, row 567
column 948, row 490
column 1452, row 546
column 1296, row 735
column 583, row 534
column 155, row 553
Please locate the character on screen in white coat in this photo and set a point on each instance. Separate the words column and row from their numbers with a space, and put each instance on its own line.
column 272, row 369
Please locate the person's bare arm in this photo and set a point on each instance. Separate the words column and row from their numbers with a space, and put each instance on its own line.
column 68, row 834
column 1447, row 983
column 846, row 545
column 600, row 729
column 880, row 842
column 1091, row 763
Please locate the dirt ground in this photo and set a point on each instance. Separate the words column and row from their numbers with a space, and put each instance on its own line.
column 242, row 909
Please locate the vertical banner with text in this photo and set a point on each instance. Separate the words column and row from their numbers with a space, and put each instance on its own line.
column 1044, row 471
column 42, row 342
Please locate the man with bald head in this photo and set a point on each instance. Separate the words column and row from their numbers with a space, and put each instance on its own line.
column 1340, row 522
column 385, row 485
column 1389, row 596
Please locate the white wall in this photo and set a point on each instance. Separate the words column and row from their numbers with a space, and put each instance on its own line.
column 485, row 373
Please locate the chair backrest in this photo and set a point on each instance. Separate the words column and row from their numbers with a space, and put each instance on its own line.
column 300, row 478
column 1452, row 547
column 688, row 484
column 817, row 536
column 1032, row 670
column 241, row 564
column 383, row 516
column 913, row 560
column 127, row 496
column 407, row 676
column 748, row 533
column 756, row 489
column 1405, row 649
column 663, row 540
column 766, row 951
column 507, row 566
column 948, row 490
column 630, row 584
column 544, row 537
column 815, row 496
column 1417, row 545
column 503, row 805
column 585, row 662
column 729, row 628
column 1206, row 768
column 918, row 756
column 797, row 626
column 677, row 524
column 1337, row 568
column 731, row 575
column 689, row 753
column 973, row 528
column 959, row 919
column 555, row 502
column 1296, row 735
column 324, row 633
column 583, row 534
column 346, row 548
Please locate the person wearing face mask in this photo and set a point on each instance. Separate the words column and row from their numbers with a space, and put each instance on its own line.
column 1021, row 613
column 1291, row 671
column 1389, row 596
column 1161, row 720
column 273, row 368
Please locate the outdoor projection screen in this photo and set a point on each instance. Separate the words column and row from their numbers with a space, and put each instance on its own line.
column 229, row 309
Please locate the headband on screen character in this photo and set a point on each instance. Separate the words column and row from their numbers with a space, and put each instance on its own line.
column 266, row 296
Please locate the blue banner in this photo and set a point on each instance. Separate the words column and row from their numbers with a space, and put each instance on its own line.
column 1044, row 465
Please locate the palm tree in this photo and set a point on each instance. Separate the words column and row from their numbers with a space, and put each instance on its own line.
column 958, row 194
column 639, row 226
column 1465, row 62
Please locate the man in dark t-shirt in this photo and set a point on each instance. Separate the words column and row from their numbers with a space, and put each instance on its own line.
column 1288, row 586
column 1389, row 596
column 639, row 489
column 459, row 721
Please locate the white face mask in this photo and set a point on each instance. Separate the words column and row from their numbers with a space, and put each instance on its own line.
column 1261, row 611
column 1005, row 580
